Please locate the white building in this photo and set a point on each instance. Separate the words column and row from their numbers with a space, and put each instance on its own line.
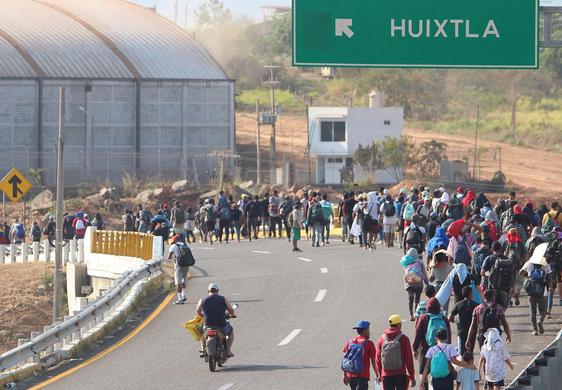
column 335, row 133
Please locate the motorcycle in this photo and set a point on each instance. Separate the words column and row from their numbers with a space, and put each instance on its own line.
column 215, row 342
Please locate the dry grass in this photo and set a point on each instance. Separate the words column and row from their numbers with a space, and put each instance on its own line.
column 25, row 301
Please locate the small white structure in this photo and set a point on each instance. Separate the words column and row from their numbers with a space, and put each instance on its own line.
column 335, row 133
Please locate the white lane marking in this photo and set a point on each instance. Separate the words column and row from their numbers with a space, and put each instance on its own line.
column 265, row 252
column 207, row 248
column 324, row 270
column 304, row 259
column 290, row 337
column 226, row 387
column 320, row 296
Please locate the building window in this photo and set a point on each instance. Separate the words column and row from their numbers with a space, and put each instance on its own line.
column 335, row 160
column 332, row 131
column 387, row 123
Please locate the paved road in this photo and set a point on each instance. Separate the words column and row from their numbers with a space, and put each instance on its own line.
column 277, row 294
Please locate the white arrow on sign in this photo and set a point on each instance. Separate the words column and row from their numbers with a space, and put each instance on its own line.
column 343, row 27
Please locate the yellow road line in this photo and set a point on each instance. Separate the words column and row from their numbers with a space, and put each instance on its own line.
column 103, row 353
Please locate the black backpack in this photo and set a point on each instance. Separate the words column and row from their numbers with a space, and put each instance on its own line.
column 389, row 209
column 186, row 258
column 179, row 215
column 489, row 318
column 254, row 210
column 414, row 238
column 502, row 274
column 130, row 222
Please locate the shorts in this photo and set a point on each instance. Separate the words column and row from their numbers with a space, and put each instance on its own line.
column 388, row 227
column 295, row 233
column 496, row 384
column 180, row 274
column 210, row 226
column 179, row 228
column 226, row 331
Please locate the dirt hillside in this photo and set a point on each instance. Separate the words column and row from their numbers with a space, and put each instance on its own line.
column 534, row 172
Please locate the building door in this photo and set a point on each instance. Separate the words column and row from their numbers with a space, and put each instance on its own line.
column 333, row 170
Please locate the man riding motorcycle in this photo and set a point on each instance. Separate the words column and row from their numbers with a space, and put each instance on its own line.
column 213, row 309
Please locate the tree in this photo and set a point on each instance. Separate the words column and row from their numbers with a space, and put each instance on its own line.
column 398, row 154
column 212, row 13
column 430, row 154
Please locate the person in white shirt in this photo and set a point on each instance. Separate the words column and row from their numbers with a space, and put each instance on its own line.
column 180, row 273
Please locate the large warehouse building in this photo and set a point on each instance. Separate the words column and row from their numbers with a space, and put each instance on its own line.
column 142, row 96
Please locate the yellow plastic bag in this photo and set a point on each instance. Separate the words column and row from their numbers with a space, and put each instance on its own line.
column 195, row 327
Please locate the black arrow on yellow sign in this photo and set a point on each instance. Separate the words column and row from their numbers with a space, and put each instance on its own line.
column 15, row 181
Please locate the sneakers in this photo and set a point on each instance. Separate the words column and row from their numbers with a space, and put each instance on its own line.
column 535, row 333
column 517, row 302
column 229, row 355
column 541, row 327
column 180, row 302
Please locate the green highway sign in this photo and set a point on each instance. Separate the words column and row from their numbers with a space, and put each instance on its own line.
column 416, row 33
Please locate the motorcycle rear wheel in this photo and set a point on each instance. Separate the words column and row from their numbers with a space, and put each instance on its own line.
column 212, row 363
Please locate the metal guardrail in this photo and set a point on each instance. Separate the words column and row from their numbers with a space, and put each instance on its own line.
column 80, row 326
column 118, row 243
column 545, row 370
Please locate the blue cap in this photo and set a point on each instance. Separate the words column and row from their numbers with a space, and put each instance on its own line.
column 362, row 324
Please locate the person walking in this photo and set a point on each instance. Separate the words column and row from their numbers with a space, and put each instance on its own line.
column 296, row 219
column 463, row 310
column 538, row 280
column 315, row 219
column 359, row 347
column 190, row 226
column 274, row 215
column 494, row 358
column 176, row 253
column 414, row 279
column 394, row 359
column 426, row 327
column 439, row 362
column 388, row 211
column 485, row 316
column 328, row 216
column 35, row 232
column 178, row 218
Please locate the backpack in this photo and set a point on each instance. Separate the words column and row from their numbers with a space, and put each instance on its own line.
column 389, row 209
column 316, row 215
column 409, row 212
column 413, row 275
column 455, row 210
column 514, row 254
column 501, row 274
column 488, row 319
column 225, row 213
column 253, row 210
column 326, row 211
column 391, row 353
column 186, row 258
column 211, row 215
column 36, row 233
column 478, row 260
column 20, row 231
column 436, row 322
column 535, row 283
column 80, row 224
column 462, row 255
column 414, row 238
column 145, row 216
column 439, row 364
column 179, row 215
column 353, row 358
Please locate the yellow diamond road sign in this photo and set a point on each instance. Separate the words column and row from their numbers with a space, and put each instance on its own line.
column 15, row 185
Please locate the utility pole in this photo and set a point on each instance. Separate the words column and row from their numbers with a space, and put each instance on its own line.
column 57, row 298
column 272, row 82
column 476, row 142
column 258, row 144
column 308, row 145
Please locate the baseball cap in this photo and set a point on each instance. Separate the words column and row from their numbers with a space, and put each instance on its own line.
column 394, row 320
column 362, row 324
column 213, row 287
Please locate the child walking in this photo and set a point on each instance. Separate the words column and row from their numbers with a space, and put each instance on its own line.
column 468, row 378
column 494, row 358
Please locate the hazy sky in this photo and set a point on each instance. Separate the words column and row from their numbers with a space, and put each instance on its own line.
column 238, row 7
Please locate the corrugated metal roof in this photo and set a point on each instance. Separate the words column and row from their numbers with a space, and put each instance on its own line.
column 100, row 39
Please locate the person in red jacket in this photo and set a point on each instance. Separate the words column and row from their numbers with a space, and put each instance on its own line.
column 420, row 346
column 394, row 350
column 361, row 381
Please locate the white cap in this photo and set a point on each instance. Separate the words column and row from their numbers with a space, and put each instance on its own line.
column 213, row 287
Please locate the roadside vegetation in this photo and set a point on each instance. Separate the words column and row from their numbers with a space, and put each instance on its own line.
column 518, row 107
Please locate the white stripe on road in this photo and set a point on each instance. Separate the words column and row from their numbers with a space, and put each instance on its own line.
column 303, row 259
column 265, row 252
column 290, row 337
column 324, row 270
column 320, row 296
column 207, row 248
column 226, row 387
